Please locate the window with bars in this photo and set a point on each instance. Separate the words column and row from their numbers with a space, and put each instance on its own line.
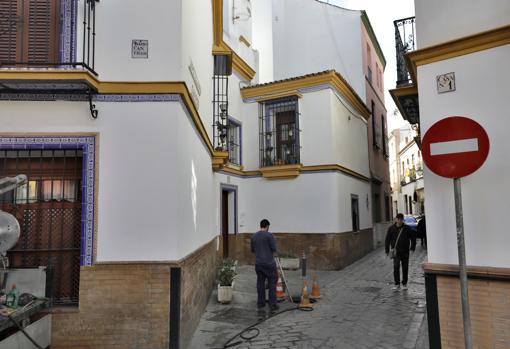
column 279, row 132
column 49, row 210
column 234, row 142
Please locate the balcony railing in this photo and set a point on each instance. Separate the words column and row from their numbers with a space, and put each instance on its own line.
column 48, row 34
column 405, row 41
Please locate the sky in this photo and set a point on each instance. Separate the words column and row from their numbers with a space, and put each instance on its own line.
column 382, row 13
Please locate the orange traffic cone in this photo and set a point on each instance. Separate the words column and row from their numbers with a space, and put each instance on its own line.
column 305, row 300
column 280, row 295
column 316, row 293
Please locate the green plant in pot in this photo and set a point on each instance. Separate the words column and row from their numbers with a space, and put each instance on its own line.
column 226, row 278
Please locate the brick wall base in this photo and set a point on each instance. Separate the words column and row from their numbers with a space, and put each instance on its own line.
column 121, row 307
column 490, row 308
column 127, row 306
column 331, row 251
column 198, row 278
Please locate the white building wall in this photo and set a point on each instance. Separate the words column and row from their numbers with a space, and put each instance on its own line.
column 438, row 21
column 197, row 40
column 310, row 36
column 331, row 133
column 291, row 205
column 118, row 23
column 237, row 21
column 262, row 35
column 485, row 193
column 145, row 165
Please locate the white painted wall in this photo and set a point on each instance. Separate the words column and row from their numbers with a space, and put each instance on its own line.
column 438, row 21
column 118, row 22
column 234, row 27
column 310, row 36
column 331, row 133
column 310, row 203
column 262, row 35
column 145, row 174
column 197, row 40
column 485, row 193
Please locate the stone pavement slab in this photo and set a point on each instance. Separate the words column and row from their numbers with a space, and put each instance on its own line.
column 358, row 309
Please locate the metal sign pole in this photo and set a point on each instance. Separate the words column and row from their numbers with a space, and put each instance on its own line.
column 462, row 264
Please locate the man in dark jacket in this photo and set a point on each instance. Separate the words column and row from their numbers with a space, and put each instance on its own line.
column 263, row 244
column 406, row 239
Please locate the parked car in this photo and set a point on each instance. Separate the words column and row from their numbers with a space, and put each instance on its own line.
column 411, row 222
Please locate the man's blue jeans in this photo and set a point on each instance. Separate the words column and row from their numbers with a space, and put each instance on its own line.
column 266, row 272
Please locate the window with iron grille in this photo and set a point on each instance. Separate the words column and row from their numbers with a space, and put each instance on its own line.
column 279, row 132
column 234, row 142
column 49, row 210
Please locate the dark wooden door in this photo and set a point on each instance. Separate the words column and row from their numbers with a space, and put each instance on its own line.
column 224, row 221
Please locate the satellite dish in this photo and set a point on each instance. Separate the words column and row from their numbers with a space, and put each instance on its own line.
column 9, row 232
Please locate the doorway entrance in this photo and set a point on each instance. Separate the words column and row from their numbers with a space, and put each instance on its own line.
column 228, row 215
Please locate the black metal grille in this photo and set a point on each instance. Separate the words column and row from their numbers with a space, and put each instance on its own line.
column 279, row 132
column 37, row 56
column 49, row 211
column 234, row 142
column 220, row 103
column 405, row 41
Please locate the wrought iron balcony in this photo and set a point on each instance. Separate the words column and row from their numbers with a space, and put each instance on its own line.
column 47, row 34
column 405, row 41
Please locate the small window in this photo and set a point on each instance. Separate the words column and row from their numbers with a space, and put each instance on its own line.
column 234, row 142
column 355, row 212
column 222, row 65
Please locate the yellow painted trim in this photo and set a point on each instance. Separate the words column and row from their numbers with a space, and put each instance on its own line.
column 459, row 47
column 335, row 167
column 332, row 78
column 281, row 172
column 244, row 40
column 221, row 47
column 217, row 6
column 294, row 93
column 402, row 91
column 219, row 159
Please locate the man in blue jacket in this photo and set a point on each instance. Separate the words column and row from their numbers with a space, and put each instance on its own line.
column 263, row 244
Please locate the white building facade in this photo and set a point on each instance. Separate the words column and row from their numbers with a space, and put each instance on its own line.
column 470, row 51
column 138, row 184
column 406, row 171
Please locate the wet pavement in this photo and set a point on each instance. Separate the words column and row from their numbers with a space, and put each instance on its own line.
column 358, row 309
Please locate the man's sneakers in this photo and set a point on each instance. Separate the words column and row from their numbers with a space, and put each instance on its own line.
column 396, row 287
column 404, row 287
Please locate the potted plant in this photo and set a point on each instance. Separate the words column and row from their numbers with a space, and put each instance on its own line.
column 288, row 260
column 226, row 278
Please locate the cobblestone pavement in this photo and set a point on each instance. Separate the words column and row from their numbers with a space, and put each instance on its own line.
column 358, row 309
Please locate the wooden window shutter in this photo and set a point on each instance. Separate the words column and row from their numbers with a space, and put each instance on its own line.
column 40, row 31
column 10, row 30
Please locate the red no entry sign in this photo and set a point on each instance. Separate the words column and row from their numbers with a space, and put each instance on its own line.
column 455, row 147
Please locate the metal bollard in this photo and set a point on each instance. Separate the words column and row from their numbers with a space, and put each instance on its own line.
column 303, row 265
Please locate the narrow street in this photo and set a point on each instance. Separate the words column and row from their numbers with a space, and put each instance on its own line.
column 358, row 309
